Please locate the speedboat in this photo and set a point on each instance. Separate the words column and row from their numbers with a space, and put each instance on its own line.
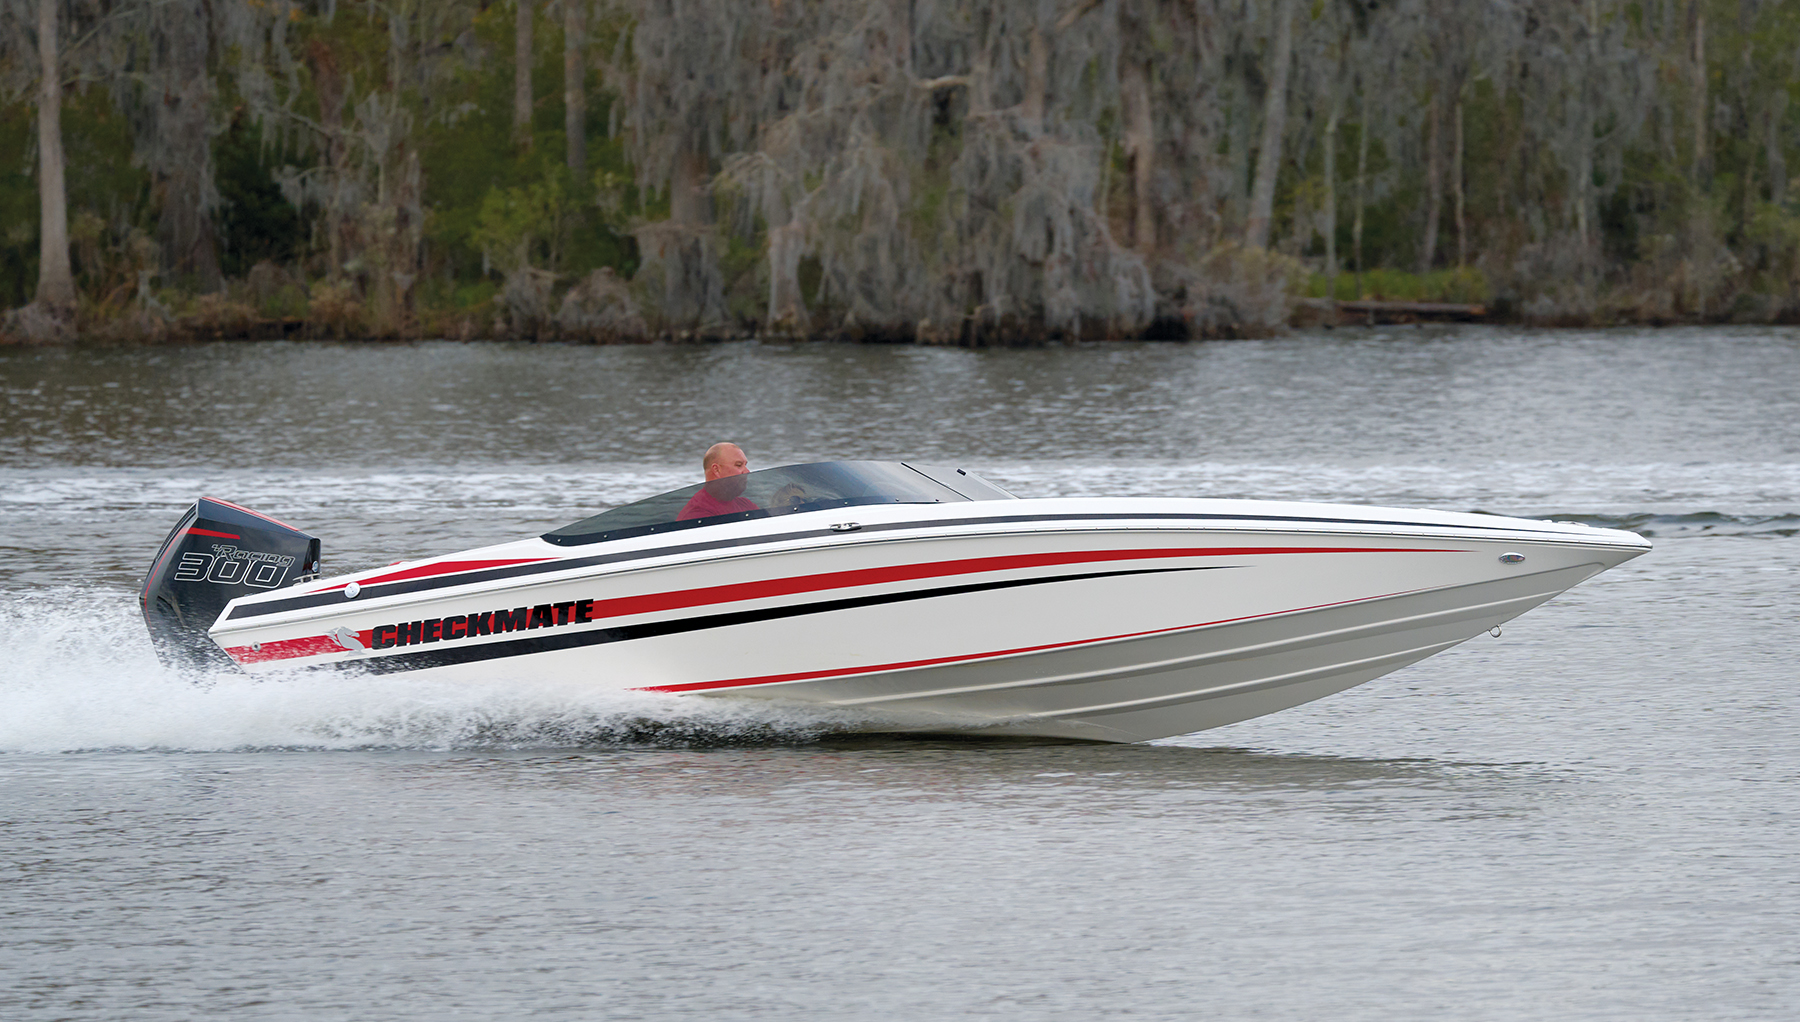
column 926, row 599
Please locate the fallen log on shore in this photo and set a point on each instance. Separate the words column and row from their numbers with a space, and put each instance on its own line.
column 1373, row 312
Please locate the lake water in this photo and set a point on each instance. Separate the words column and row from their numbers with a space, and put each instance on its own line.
column 1594, row 816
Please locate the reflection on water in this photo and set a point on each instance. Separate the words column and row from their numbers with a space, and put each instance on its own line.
column 1587, row 818
column 1027, row 776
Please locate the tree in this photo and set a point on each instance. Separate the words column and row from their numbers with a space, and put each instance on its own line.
column 1274, row 126
column 971, row 170
column 523, row 58
column 691, row 87
column 56, row 280
column 169, row 59
column 575, row 85
column 38, row 58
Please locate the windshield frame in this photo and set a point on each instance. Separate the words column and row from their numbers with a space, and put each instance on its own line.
column 823, row 485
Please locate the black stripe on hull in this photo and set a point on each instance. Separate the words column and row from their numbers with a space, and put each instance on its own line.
column 400, row 662
column 420, row 585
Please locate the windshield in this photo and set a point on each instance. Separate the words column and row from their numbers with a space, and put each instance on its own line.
column 778, row 491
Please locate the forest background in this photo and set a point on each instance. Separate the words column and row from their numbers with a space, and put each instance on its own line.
column 939, row 171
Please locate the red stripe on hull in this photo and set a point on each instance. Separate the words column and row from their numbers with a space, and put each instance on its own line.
column 440, row 568
column 288, row 649
column 626, row 606
column 284, row 649
column 682, row 599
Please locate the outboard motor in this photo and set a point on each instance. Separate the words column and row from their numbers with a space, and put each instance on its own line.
column 218, row 552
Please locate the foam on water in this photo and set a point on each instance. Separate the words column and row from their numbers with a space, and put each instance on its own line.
column 81, row 675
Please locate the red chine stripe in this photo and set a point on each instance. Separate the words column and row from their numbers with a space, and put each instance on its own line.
column 288, row 649
column 284, row 649
column 198, row 531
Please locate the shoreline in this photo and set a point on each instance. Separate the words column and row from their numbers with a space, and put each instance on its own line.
column 1310, row 317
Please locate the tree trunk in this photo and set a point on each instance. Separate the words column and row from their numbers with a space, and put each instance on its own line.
column 1037, row 80
column 1778, row 100
column 1747, row 101
column 1584, row 182
column 1697, row 168
column 522, row 74
column 394, row 227
column 787, row 305
column 1331, row 126
column 689, row 203
column 1434, row 185
column 185, row 229
column 575, row 85
column 329, row 85
column 981, row 78
column 56, row 282
column 679, row 255
column 1456, row 185
column 1586, row 215
column 1268, row 156
column 1362, row 175
column 1140, row 152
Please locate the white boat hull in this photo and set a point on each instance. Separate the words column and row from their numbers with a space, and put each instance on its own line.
column 1106, row 619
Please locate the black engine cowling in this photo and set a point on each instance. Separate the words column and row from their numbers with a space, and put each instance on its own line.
column 218, row 552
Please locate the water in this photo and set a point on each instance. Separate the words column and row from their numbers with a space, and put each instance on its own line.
column 1591, row 817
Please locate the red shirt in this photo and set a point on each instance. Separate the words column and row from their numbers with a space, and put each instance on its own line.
column 705, row 505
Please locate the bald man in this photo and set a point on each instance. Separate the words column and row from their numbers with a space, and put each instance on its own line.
column 725, row 466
